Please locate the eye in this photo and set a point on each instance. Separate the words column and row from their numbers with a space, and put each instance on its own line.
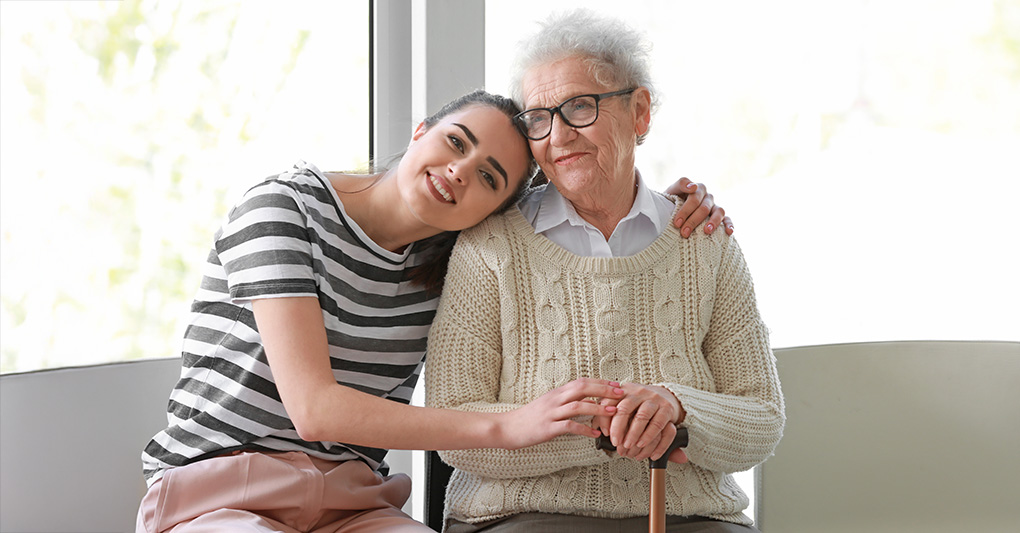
column 489, row 179
column 457, row 143
column 580, row 105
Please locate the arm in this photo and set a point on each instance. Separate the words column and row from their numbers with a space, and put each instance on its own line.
column 739, row 424
column 294, row 336
column 465, row 366
column 698, row 205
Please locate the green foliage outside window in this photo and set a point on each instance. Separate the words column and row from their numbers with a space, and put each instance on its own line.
column 128, row 130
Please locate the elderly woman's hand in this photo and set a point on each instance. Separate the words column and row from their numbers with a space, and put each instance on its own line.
column 644, row 423
column 698, row 205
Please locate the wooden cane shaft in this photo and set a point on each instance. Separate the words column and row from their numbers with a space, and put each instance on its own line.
column 657, row 501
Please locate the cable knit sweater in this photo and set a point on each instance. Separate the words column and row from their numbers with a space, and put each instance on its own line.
column 520, row 316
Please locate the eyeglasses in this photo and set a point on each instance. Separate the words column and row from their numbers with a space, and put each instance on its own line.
column 578, row 112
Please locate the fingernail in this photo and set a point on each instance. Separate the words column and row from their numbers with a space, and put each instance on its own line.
column 708, row 228
column 617, row 391
column 610, row 408
column 686, row 232
column 614, row 383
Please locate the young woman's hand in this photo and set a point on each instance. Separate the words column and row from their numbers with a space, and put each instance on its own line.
column 698, row 205
column 555, row 413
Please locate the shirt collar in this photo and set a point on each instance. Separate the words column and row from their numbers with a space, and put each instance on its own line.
column 555, row 209
column 644, row 205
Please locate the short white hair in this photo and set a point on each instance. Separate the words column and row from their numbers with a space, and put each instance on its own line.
column 617, row 55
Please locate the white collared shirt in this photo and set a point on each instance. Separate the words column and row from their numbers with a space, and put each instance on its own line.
column 554, row 216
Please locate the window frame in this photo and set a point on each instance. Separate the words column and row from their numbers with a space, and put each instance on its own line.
column 422, row 55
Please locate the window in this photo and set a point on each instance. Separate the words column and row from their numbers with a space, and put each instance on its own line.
column 865, row 150
column 128, row 130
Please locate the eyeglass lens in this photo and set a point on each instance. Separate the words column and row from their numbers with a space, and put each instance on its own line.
column 577, row 112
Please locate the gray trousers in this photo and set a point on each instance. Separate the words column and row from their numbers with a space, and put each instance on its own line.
column 562, row 523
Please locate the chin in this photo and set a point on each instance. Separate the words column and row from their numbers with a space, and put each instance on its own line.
column 575, row 182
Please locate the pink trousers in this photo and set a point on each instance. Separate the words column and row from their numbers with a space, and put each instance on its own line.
column 280, row 492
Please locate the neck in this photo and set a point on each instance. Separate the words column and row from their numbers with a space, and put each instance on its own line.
column 605, row 208
column 378, row 211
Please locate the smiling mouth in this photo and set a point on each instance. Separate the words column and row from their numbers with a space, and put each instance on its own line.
column 440, row 189
column 569, row 158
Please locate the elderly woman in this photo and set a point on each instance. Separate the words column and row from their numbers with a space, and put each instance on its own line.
column 588, row 279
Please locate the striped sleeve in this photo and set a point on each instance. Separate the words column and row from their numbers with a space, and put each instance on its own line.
column 264, row 246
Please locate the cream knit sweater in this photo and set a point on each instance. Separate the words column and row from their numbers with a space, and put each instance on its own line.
column 520, row 316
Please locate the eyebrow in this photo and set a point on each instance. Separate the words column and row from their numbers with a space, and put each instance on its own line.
column 499, row 169
column 492, row 161
column 471, row 136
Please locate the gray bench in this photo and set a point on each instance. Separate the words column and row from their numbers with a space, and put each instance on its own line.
column 896, row 436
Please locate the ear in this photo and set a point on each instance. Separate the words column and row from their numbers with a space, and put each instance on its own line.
column 642, row 106
column 418, row 132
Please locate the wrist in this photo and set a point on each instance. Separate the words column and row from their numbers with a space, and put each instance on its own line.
column 678, row 407
column 495, row 432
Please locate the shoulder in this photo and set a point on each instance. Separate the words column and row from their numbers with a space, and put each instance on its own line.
column 495, row 227
column 718, row 255
column 297, row 189
column 492, row 242
column 710, row 250
column 718, row 237
column 303, row 180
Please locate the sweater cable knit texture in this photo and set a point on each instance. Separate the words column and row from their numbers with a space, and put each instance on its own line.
column 519, row 316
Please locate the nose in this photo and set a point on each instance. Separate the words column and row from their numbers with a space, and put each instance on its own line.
column 561, row 132
column 457, row 171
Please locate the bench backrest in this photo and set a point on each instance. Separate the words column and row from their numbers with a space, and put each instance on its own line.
column 71, row 443
column 895, row 436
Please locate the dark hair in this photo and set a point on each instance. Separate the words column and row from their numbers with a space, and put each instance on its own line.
column 431, row 272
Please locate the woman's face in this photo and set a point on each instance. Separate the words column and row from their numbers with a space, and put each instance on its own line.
column 463, row 168
column 597, row 158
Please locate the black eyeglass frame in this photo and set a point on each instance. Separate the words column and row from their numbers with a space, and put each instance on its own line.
column 553, row 111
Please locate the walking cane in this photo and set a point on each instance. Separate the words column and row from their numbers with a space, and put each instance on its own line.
column 657, row 479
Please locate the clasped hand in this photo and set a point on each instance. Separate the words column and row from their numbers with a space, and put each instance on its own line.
column 639, row 419
column 644, row 423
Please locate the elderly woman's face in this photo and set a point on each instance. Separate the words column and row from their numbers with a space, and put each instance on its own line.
column 594, row 160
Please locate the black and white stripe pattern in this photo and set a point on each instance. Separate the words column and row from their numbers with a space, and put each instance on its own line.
column 288, row 237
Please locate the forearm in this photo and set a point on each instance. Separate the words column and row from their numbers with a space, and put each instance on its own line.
column 729, row 433
column 565, row 451
column 342, row 414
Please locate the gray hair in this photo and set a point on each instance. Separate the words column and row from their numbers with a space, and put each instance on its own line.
column 616, row 54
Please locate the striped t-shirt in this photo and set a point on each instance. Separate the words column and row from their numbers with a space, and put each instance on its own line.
column 289, row 236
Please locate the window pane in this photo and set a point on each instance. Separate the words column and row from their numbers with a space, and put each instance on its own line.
column 865, row 150
column 128, row 130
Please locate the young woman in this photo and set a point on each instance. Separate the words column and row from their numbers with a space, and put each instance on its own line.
column 307, row 336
